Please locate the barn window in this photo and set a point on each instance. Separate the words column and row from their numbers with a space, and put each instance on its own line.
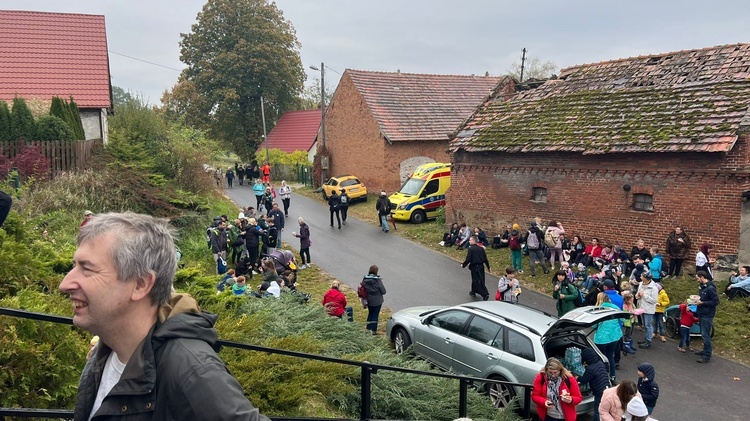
column 643, row 202
column 539, row 195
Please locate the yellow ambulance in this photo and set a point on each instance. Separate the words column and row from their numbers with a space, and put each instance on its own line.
column 423, row 193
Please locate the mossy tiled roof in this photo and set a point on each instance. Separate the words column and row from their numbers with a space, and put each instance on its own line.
column 683, row 101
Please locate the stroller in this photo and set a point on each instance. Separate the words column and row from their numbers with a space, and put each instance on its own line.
column 672, row 322
column 283, row 260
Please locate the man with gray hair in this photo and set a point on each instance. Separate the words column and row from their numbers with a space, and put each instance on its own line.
column 155, row 358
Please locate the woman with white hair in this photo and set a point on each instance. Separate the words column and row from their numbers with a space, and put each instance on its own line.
column 304, row 243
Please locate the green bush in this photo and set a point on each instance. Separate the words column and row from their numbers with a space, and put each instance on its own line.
column 5, row 122
column 23, row 125
column 53, row 128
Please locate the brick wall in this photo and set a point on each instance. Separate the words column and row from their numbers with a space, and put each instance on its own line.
column 699, row 191
column 357, row 147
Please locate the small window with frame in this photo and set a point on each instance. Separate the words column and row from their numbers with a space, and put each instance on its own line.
column 539, row 195
column 643, row 202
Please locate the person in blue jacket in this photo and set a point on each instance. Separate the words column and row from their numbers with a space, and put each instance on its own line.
column 739, row 284
column 608, row 334
column 647, row 386
column 655, row 265
column 595, row 375
column 259, row 189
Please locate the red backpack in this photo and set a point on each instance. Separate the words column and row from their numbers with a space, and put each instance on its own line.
column 513, row 243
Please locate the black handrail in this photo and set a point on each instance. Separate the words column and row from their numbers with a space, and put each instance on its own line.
column 367, row 368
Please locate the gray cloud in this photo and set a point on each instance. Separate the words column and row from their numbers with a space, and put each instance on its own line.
column 424, row 36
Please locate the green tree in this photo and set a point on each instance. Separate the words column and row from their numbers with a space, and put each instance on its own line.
column 310, row 97
column 120, row 96
column 5, row 121
column 22, row 124
column 50, row 127
column 533, row 69
column 236, row 53
column 75, row 120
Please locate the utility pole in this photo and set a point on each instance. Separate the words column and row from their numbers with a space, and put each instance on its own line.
column 523, row 62
column 323, row 116
column 263, row 116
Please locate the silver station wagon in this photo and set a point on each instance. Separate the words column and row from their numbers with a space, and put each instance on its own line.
column 497, row 340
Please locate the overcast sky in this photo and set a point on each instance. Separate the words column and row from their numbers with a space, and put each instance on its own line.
column 420, row 36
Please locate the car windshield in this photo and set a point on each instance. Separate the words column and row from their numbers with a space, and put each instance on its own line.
column 352, row 182
column 412, row 187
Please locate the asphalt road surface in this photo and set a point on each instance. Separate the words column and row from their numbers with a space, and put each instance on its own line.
column 414, row 275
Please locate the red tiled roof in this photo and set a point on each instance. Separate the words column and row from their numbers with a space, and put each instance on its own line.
column 54, row 54
column 411, row 106
column 295, row 131
column 694, row 100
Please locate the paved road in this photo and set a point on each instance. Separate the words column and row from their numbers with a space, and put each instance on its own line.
column 414, row 275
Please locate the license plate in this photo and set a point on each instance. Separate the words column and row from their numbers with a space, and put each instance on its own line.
column 354, row 189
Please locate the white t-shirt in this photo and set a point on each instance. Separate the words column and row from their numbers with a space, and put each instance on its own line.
column 112, row 371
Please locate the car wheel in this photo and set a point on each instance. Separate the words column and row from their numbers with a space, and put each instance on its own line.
column 401, row 341
column 500, row 394
column 417, row 217
column 324, row 195
column 672, row 328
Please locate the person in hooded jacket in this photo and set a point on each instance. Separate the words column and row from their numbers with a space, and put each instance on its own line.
column 608, row 334
column 334, row 202
column 259, row 189
column 535, row 247
column 344, row 200
column 647, row 386
column 595, row 375
column 375, row 292
column 564, row 293
column 155, row 358
column 678, row 246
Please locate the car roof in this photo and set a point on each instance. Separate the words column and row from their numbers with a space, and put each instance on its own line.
column 535, row 320
column 344, row 177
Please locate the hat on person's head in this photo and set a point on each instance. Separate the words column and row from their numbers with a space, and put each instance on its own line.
column 515, row 226
column 646, row 275
column 637, row 408
column 87, row 213
column 608, row 284
column 533, row 223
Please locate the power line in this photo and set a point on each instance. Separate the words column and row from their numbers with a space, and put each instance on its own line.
column 144, row 61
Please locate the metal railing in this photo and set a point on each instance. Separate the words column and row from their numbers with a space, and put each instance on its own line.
column 367, row 370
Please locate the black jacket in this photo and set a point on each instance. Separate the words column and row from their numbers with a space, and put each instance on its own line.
column 476, row 256
column 383, row 206
column 596, row 374
column 175, row 374
column 218, row 240
column 709, row 300
column 647, row 385
column 333, row 201
column 375, row 289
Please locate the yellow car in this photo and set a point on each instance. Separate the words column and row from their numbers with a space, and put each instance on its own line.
column 354, row 188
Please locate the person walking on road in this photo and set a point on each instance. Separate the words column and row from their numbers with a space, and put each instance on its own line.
column 334, row 202
column 304, row 242
column 383, row 206
column 476, row 259
column 375, row 292
column 286, row 196
column 343, row 205
column 709, row 300
column 230, row 177
column 259, row 189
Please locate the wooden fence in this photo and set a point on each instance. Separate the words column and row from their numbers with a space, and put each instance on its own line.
column 63, row 155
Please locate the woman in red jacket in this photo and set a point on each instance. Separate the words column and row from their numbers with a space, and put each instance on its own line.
column 556, row 393
column 334, row 301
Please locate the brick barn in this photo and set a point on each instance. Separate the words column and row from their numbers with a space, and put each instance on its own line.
column 380, row 126
column 619, row 150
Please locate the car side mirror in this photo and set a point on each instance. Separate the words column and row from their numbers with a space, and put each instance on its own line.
column 426, row 320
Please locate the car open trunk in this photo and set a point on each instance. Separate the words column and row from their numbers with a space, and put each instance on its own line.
column 567, row 349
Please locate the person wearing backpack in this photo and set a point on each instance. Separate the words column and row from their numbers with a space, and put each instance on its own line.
column 383, row 206
column 334, row 203
column 565, row 293
column 343, row 205
column 534, row 238
column 553, row 241
column 514, row 244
